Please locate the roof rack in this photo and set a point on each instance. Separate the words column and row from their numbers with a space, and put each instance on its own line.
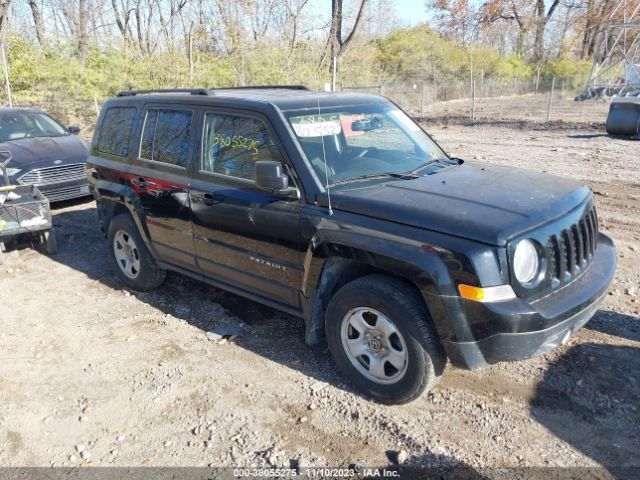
column 204, row 91
column 265, row 87
column 192, row 91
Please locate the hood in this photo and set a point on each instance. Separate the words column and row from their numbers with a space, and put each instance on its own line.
column 482, row 202
column 27, row 151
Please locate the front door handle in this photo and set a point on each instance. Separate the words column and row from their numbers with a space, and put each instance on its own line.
column 142, row 183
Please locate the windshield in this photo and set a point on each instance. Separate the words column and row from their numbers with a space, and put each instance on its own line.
column 362, row 141
column 15, row 125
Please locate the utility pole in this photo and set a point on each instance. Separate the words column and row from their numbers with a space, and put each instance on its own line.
column 6, row 75
column 553, row 85
column 333, row 74
column 473, row 99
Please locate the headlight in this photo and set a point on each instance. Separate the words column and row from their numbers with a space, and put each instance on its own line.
column 525, row 261
column 13, row 171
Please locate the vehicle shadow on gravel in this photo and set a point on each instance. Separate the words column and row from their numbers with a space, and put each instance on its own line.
column 267, row 332
column 70, row 203
column 590, row 398
column 612, row 323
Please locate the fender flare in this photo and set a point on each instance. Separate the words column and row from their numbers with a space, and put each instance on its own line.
column 331, row 252
column 119, row 194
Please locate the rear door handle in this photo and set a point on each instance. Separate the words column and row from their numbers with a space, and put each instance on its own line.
column 141, row 182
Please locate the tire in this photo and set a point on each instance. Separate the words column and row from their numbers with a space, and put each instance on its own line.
column 133, row 261
column 49, row 242
column 398, row 328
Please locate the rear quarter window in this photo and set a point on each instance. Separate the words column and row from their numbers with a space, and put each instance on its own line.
column 116, row 129
column 166, row 136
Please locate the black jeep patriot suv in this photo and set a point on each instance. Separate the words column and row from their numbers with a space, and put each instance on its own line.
column 339, row 209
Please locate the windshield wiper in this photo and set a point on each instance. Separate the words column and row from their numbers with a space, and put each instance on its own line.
column 448, row 161
column 409, row 176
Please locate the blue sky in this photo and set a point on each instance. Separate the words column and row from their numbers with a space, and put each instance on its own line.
column 407, row 12
column 411, row 12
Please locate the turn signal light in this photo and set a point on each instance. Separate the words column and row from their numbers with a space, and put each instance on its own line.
column 487, row 294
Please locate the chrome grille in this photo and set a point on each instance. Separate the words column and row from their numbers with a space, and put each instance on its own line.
column 66, row 193
column 54, row 175
column 571, row 250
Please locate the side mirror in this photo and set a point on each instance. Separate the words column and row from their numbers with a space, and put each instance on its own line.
column 73, row 129
column 269, row 177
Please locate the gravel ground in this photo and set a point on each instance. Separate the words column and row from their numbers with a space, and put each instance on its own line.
column 92, row 374
column 524, row 108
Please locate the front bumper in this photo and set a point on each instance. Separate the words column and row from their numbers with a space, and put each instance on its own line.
column 516, row 330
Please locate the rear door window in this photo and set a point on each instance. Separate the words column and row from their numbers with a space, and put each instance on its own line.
column 165, row 136
column 232, row 145
column 116, row 129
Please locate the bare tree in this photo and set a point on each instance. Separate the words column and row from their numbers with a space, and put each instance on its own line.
column 168, row 19
column 260, row 13
column 542, row 19
column 73, row 21
column 122, row 14
column 337, row 45
column 144, row 14
column 37, row 20
column 517, row 11
column 288, row 19
column 458, row 19
column 83, row 39
column 4, row 10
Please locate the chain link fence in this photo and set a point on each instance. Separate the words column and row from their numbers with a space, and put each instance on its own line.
column 538, row 100
column 535, row 100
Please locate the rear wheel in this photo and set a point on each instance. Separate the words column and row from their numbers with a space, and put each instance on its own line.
column 382, row 339
column 136, row 267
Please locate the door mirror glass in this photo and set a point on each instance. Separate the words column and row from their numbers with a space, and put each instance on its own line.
column 73, row 129
column 270, row 178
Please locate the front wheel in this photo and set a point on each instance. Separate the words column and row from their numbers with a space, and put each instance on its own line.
column 382, row 339
column 136, row 266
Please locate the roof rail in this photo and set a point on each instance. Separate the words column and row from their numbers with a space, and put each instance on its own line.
column 205, row 91
column 192, row 91
column 265, row 87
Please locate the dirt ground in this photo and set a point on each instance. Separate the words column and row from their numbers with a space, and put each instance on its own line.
column 93, row 374
column 528, row 108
